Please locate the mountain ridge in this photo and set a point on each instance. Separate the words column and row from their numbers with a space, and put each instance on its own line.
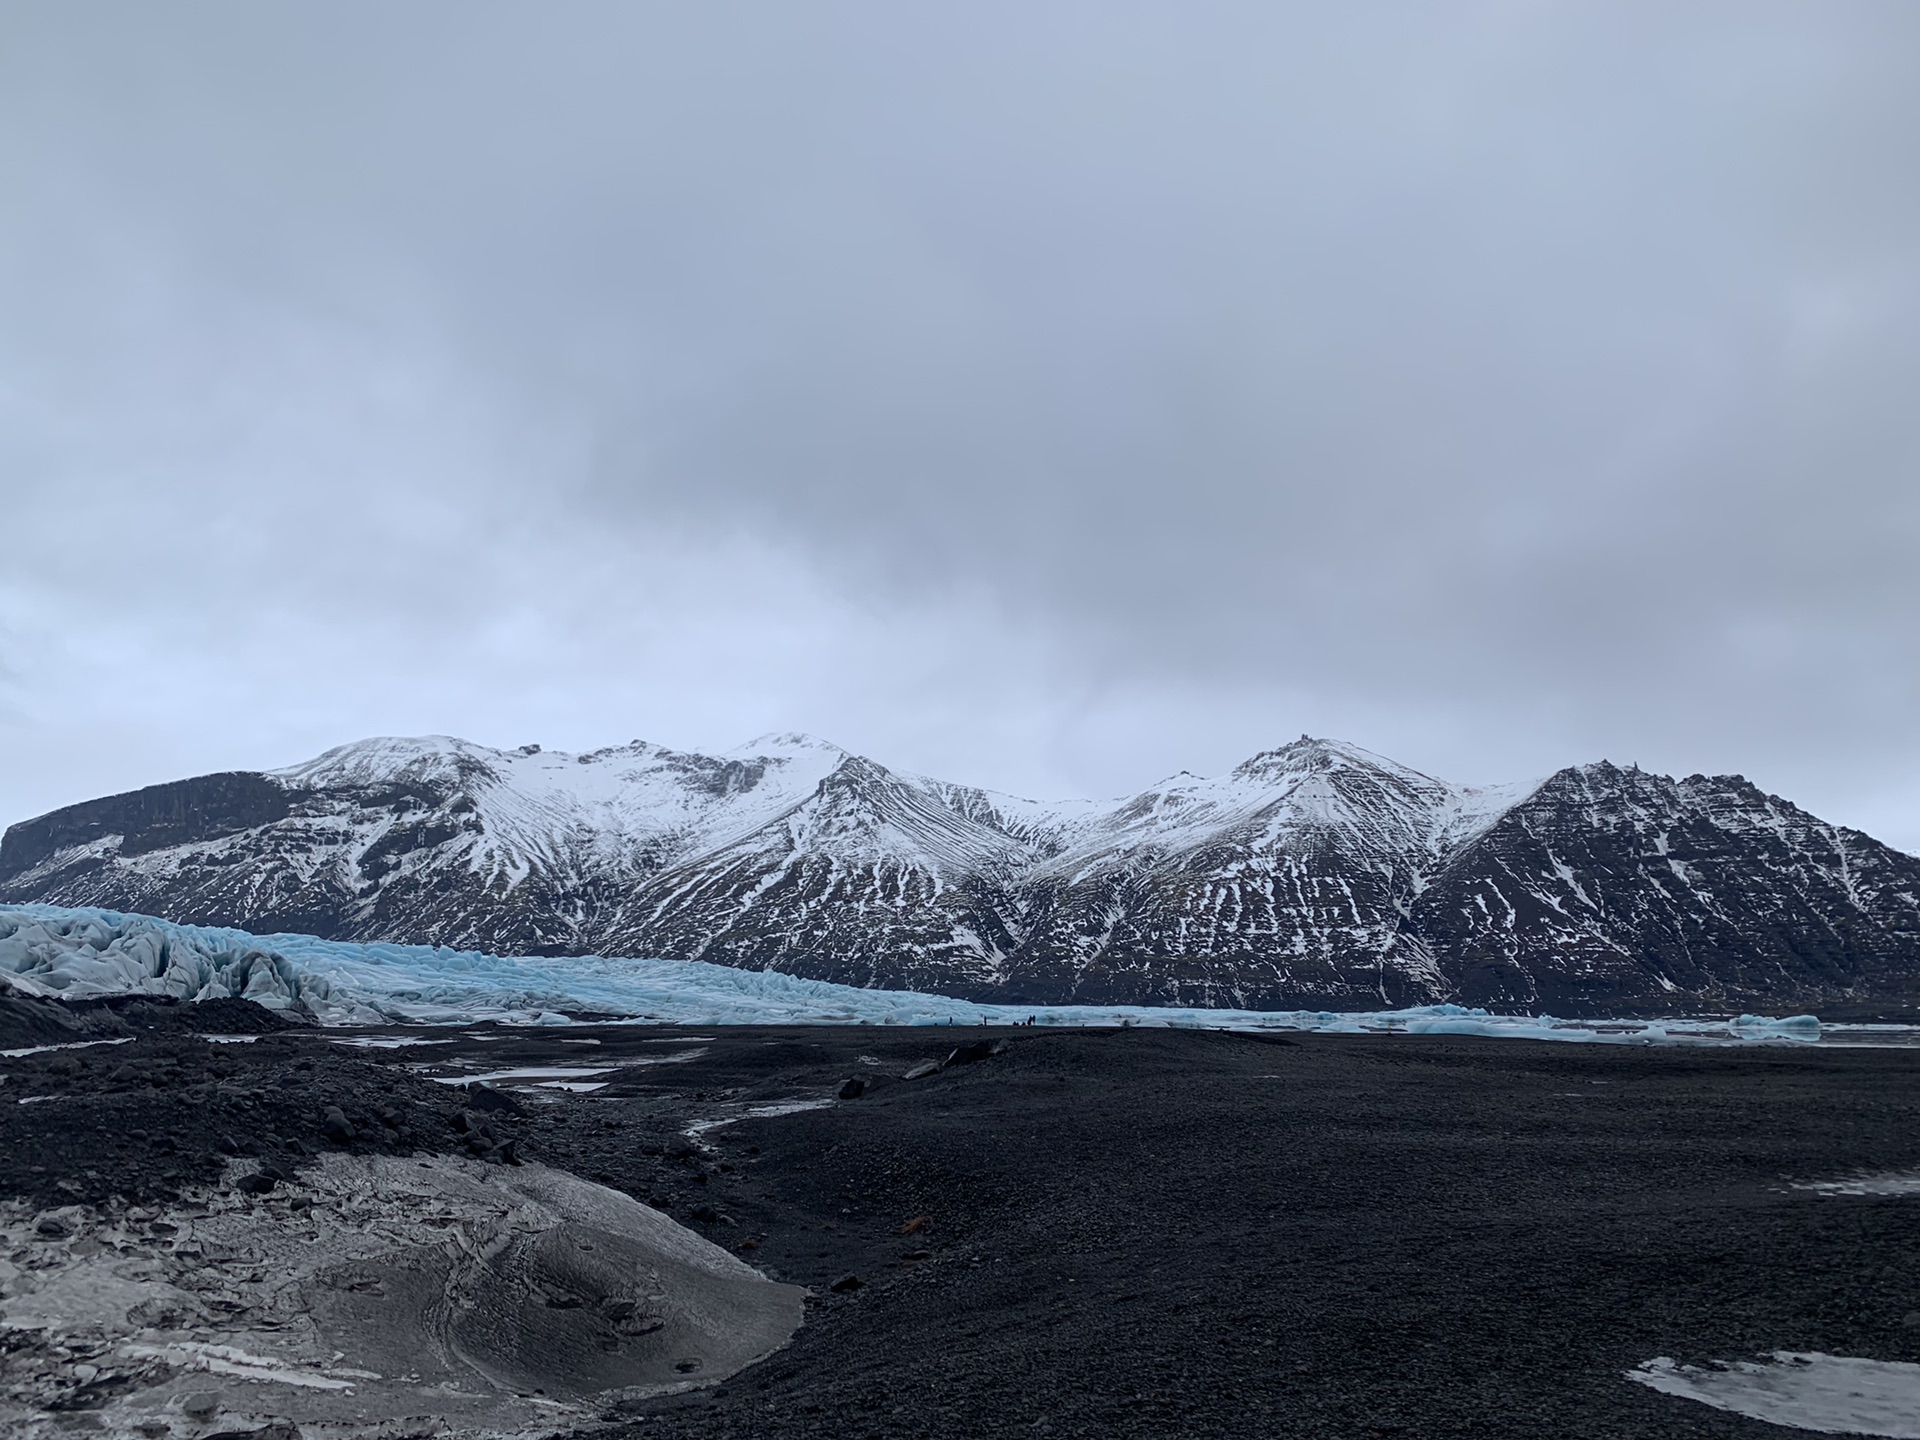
column 1315, row 873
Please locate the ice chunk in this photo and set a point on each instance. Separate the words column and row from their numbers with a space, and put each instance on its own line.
column 1793, row 1027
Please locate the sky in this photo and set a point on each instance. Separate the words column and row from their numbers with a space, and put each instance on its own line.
column 1047, row 396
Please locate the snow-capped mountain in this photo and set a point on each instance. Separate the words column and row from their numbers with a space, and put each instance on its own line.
column 1314, row 874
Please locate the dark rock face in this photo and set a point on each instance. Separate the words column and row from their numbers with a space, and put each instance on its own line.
column 151, row 819
column 1607, row 884
column 1315, row 875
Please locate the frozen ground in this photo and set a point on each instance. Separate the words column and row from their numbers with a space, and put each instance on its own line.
column 48, row 950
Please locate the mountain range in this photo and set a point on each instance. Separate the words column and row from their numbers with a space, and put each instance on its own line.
column 1315, row 875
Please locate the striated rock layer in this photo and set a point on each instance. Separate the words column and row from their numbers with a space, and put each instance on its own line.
column 1313, row 875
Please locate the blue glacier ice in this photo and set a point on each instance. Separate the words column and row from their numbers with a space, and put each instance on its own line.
column 75, row 953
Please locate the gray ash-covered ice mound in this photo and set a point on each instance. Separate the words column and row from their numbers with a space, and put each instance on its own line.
column 446, row 1295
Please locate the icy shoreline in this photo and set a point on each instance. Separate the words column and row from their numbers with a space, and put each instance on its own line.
column 48, row 950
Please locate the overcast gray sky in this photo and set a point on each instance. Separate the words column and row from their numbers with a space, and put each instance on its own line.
column 1046, row 395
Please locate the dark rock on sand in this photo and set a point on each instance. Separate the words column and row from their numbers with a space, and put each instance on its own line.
column 486, row 1099
column 974, row 1051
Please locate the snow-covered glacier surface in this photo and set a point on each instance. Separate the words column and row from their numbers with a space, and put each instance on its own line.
column 76, row 953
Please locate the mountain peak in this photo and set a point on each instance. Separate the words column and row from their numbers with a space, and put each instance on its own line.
column 784, row 742
column 360, row 761
column 1311, row 752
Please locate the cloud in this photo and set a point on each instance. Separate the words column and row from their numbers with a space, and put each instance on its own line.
column 1048, row 396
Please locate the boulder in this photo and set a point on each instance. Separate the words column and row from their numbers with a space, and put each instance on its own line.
column 486, row 1098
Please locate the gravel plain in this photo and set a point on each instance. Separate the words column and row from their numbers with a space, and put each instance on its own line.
column 1116, row 1232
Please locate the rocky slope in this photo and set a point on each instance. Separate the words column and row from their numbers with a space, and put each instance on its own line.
column 1315, row 874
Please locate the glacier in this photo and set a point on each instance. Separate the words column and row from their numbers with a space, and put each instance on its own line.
column 77, row 953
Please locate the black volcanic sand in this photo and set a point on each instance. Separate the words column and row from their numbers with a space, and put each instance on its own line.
column 1139, row 1232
